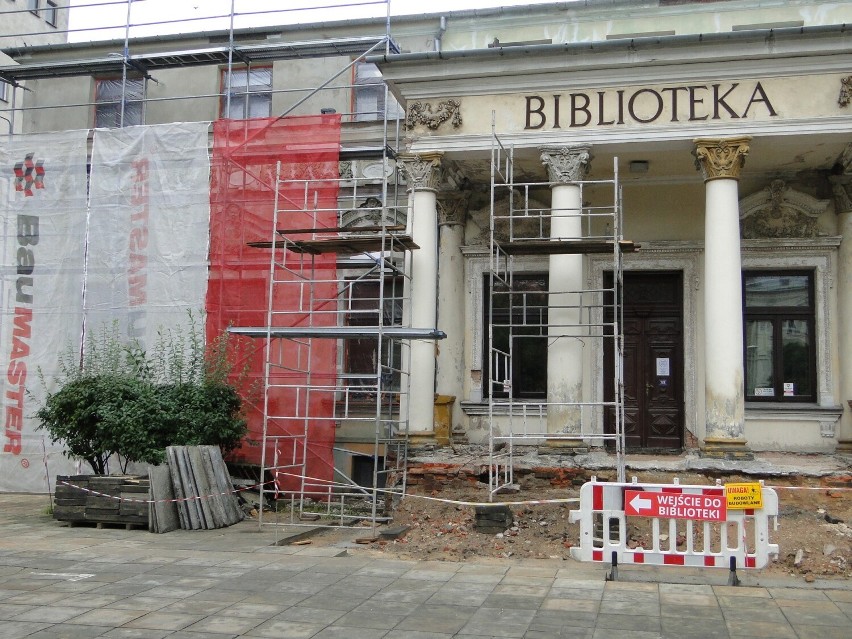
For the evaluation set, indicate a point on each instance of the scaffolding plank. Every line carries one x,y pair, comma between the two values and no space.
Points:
339,332
563,246
343,245
342,229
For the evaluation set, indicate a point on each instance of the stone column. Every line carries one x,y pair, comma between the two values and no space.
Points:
452,209
720,161
842,187
423,174
566,165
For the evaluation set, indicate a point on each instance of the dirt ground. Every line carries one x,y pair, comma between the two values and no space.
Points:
814,529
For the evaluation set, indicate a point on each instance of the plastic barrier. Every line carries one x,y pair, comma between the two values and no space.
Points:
688,526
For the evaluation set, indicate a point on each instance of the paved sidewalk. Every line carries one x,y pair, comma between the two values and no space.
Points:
60,582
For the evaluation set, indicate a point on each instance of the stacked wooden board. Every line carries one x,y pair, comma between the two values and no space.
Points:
193,491
102,499
202,493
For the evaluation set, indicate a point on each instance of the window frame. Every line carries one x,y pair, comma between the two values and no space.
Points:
244,92
776,315
51,12
536,332
362,310
368,84
117,104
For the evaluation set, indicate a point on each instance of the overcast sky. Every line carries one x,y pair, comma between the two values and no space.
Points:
194,15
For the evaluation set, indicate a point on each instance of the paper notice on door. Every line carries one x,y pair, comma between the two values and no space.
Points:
663,367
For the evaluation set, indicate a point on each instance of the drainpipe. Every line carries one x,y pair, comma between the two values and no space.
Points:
442,29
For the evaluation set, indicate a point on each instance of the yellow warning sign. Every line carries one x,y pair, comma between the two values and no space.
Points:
743,496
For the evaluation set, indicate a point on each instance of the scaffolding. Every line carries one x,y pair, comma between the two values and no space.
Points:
336,262
350,283
529,316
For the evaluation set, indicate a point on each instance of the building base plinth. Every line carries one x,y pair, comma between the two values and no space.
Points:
725,448
422,439
563,447
844,447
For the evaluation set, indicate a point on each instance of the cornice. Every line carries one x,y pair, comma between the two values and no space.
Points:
598,65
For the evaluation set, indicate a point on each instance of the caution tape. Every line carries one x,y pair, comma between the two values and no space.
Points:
332,484
161,501
824,488
455,502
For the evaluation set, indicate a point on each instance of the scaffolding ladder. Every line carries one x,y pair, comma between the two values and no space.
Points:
529,314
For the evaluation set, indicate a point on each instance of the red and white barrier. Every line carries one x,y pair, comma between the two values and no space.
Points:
689,525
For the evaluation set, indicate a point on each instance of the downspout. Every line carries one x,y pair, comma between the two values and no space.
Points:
442,29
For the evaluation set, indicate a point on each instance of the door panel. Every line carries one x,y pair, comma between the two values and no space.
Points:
653,362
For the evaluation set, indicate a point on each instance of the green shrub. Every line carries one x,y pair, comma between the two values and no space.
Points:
119,400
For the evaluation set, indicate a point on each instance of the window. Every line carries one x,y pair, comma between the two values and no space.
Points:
33,5
50,13
779,336
522,314
250,91
4,91
108,107
369,93
362,300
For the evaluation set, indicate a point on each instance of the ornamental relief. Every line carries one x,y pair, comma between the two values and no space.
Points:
423,113
780,211
522,226
372,213
845,91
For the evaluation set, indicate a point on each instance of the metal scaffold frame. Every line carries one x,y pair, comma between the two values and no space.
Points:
522,228
369,240
368,256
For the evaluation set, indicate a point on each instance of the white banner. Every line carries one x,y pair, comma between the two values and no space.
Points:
149,228
43,214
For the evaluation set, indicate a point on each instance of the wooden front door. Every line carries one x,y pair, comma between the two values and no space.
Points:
653,362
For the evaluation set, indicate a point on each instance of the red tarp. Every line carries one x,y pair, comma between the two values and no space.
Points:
242,204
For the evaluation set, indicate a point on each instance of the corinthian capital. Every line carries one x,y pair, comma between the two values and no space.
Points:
719,158
452,207
841,187
566,164
422,170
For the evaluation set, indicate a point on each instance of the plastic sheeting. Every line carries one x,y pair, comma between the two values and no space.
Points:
149,222
43,214
242,195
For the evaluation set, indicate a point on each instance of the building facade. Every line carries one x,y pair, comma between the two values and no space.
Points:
723,128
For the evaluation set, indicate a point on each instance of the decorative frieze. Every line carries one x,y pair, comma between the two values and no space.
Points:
780,211
423,113
566,164
422,171
721,158
845,91
841,188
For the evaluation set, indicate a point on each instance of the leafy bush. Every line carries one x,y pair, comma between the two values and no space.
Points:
120,400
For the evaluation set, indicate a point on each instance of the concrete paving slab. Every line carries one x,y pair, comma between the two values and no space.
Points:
50,614
281,629
216,583
821,632
65,631
753,628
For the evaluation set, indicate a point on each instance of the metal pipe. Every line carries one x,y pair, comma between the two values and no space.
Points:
616,44
442,29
